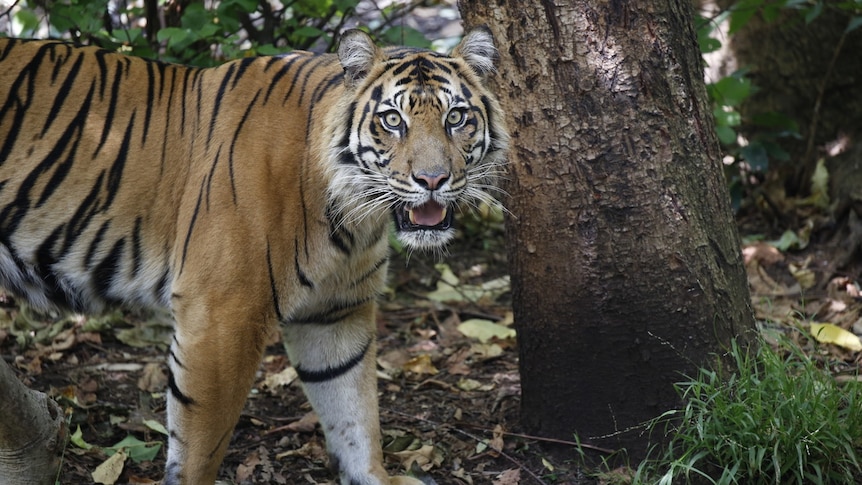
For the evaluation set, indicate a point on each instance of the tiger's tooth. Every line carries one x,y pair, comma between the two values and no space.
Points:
412,216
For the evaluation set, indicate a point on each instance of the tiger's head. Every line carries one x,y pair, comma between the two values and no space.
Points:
424,135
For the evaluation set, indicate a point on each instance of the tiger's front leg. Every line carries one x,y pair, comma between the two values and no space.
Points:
336,364
216,350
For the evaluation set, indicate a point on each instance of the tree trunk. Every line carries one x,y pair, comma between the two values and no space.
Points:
624,255
32,433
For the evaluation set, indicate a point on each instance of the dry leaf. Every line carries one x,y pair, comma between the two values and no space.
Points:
485,330
426,457
828,333
109,471
508,477
421,364
280,379
153,378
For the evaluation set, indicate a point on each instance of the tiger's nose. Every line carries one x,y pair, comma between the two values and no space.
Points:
432,180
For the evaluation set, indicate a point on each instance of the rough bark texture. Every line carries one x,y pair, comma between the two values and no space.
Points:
625,259
32,433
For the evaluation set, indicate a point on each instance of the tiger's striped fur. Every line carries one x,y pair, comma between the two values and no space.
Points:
241,197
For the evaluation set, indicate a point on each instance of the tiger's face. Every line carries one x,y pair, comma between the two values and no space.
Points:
425,136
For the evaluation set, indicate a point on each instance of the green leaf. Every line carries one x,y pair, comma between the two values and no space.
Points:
173,35
731,90
726,134
787,240
725,117
136,449
156,426
28,21
77,439
195,17
742,13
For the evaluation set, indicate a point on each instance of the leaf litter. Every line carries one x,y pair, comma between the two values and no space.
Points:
449,388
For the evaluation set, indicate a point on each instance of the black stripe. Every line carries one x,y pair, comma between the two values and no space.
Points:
105,272
151,100
233,143
103,72
314,376
285,68
175,391
322,62
112,107
168,111
243,66
192,226
272,285
60,99
137,258
334,314
218,99
74,128
303,279
211,175
94,245
371,272
115,175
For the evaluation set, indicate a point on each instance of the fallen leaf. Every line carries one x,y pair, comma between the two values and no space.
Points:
473,385
245,470
156,426
280,379
828,333
485,330
108,472
153,378
426,457
135,449
77,439
508,477
421,364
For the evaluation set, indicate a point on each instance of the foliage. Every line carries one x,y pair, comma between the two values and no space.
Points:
775,418
205,33
729,93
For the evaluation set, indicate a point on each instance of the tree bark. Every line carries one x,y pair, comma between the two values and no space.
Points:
32,433
624,255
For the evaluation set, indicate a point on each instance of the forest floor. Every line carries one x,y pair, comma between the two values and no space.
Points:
448,366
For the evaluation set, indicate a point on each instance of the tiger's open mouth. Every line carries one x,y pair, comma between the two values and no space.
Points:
428,216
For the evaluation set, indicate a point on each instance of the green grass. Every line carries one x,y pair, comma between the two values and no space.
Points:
776,418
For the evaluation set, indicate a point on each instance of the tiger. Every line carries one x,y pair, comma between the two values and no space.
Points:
247,198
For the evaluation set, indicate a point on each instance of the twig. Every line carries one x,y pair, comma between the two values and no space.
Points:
474,438
545,440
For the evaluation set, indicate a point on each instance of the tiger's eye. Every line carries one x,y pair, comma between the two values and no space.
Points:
392,119
455,117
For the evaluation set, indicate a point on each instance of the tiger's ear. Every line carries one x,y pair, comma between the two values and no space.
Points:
357,53
477,48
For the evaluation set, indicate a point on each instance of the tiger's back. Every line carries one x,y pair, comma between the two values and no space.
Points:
253,195
135,138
